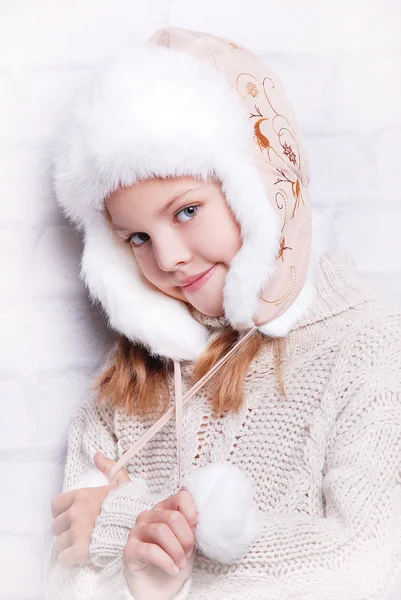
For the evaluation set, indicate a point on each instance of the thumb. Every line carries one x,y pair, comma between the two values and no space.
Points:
105,464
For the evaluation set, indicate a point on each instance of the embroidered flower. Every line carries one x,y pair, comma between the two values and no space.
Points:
252,89
282,248
288,151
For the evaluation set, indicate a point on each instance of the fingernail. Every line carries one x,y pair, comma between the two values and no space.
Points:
174,570
188,554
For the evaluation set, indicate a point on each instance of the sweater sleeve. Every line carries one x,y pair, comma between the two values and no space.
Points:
354,550
91,430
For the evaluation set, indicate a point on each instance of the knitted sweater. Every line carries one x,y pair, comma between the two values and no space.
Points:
325,461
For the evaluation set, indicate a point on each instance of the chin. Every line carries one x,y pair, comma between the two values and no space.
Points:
209,299
211,309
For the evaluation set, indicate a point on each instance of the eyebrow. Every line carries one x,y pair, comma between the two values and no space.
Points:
163,209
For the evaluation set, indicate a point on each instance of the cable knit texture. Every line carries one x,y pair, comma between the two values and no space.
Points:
325,461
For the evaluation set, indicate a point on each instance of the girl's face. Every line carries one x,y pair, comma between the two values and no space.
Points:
179,228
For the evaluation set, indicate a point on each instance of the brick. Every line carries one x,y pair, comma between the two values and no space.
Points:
55,263
371,236
31,484
42,406
308,81
389,166
44,260
58,398
293,27
26,187
16,430
22,565
33,105
369,92
342,167
78,34
52,336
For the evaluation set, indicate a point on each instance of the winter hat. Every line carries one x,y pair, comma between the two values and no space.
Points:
189,103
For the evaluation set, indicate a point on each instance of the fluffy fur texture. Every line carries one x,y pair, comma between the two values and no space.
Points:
126,125
227,522
132,304
91,478
227,525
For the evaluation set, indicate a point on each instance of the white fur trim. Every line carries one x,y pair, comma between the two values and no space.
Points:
227,522
92,477
133,305
126,125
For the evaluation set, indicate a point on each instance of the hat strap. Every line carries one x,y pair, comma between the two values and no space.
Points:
180,401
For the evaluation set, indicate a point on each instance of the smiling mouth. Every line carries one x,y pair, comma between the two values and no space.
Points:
195,285
193,278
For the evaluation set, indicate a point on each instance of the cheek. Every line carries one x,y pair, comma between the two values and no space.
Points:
152,273
226,241
146,265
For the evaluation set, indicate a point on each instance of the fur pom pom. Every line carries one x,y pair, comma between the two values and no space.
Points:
227,522
92,478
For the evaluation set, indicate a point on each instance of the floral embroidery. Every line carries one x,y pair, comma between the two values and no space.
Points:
280,124
284,205
262,141
252,89
234,46
282,248
275,138
288,292
296,190
288,151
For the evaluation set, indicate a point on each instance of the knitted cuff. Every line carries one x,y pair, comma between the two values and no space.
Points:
117,517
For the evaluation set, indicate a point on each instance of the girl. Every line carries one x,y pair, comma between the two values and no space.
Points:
183,165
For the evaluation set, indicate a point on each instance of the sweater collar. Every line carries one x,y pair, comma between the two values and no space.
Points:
337,285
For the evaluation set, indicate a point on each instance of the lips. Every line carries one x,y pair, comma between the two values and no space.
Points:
191,280
198,283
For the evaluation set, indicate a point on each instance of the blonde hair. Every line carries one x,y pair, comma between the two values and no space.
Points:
137,382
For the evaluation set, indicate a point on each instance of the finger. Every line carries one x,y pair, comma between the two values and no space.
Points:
64,541
137,554
184,503
178,525
62,502
105,464
163,536
61,523
77,554
121,477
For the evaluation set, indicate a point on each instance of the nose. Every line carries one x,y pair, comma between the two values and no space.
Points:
170,252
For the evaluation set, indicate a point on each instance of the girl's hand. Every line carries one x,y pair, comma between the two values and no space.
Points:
162,536
75,513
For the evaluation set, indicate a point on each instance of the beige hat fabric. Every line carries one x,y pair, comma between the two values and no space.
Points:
190,104
278,153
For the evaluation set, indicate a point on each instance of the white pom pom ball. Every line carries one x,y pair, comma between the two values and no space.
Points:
227,523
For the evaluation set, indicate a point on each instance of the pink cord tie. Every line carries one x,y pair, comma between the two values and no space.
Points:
180,401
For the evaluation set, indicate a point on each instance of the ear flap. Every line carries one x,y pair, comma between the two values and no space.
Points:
136,308
253,266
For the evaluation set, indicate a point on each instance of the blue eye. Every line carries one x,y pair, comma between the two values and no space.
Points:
189,208
140,243
130,238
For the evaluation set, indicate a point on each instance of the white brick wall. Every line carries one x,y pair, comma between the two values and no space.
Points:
341,65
